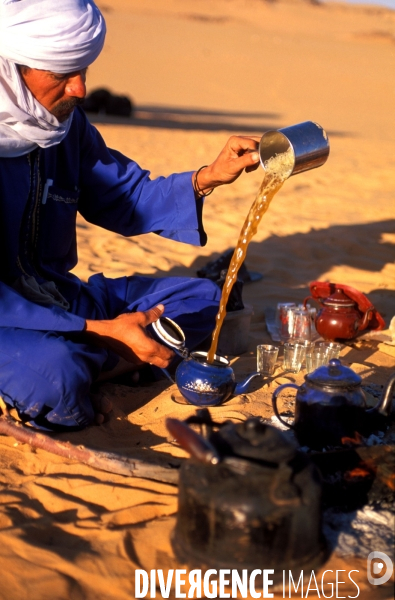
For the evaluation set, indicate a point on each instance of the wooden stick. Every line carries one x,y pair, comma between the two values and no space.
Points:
104,461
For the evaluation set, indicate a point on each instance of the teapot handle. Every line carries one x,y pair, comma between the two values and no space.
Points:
274,402
319,300
182,353
366,318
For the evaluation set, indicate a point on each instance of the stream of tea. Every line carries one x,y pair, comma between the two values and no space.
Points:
277,170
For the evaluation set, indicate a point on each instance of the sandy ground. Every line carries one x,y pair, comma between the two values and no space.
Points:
199,72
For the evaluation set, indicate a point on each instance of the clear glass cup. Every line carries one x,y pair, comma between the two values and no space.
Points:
308,344
301,324
294,355
266,358
331,349
315,357
281,313
286,322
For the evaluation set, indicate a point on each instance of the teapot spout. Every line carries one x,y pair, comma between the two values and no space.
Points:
384,405
242,387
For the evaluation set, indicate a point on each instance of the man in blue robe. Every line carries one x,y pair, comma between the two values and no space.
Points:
59,335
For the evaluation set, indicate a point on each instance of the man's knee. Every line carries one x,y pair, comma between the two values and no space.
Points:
47,378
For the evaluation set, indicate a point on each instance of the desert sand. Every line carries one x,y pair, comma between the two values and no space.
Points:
198,72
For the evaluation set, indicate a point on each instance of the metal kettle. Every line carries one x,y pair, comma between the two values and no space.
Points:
247,498
331,405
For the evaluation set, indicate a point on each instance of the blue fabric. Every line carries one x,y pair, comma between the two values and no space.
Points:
44,372
39,238
47,376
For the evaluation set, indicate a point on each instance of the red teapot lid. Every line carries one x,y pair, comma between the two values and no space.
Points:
339,299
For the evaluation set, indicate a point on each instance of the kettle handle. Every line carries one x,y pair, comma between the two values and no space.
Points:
274,402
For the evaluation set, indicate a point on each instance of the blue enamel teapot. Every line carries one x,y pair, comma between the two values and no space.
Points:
201,383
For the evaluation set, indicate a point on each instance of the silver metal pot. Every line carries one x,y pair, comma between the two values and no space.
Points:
308,141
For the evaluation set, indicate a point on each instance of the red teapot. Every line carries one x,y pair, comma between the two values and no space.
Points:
345,311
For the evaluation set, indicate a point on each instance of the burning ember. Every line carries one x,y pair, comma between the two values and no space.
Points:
363,470
357,440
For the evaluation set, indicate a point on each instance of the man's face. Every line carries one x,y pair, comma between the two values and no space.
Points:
58,93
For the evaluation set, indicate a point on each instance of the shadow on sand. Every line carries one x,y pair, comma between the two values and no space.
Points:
189,119
288,263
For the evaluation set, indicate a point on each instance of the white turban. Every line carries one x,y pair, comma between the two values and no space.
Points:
61,36
54,35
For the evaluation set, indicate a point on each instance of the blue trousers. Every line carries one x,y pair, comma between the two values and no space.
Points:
47,376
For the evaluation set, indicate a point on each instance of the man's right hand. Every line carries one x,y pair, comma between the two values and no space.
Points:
126,335
240,153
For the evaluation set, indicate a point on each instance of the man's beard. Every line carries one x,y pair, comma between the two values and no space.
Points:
63,110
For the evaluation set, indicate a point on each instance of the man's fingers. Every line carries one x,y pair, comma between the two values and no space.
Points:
245,153
153,314
252,158
157,354
252,167
249,160
145,349
160,361
127,336
240,145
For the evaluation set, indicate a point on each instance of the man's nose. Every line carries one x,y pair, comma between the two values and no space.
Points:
76,85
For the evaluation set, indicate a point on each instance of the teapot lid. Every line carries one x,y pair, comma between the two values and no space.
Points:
339,298
169,333
334,375
256,440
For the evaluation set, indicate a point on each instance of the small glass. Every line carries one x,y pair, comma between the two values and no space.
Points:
281,308
308,344
331,349
301,324
315,357
266,358
286,322
294,355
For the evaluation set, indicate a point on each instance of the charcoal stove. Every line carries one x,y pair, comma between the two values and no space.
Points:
358,475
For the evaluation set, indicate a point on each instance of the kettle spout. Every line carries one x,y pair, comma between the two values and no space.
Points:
384,405
242,387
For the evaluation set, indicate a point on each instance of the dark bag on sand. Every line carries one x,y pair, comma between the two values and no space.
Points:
104,102
235,301
212,270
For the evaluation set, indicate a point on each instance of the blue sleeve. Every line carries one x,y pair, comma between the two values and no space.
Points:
119,195
18,312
